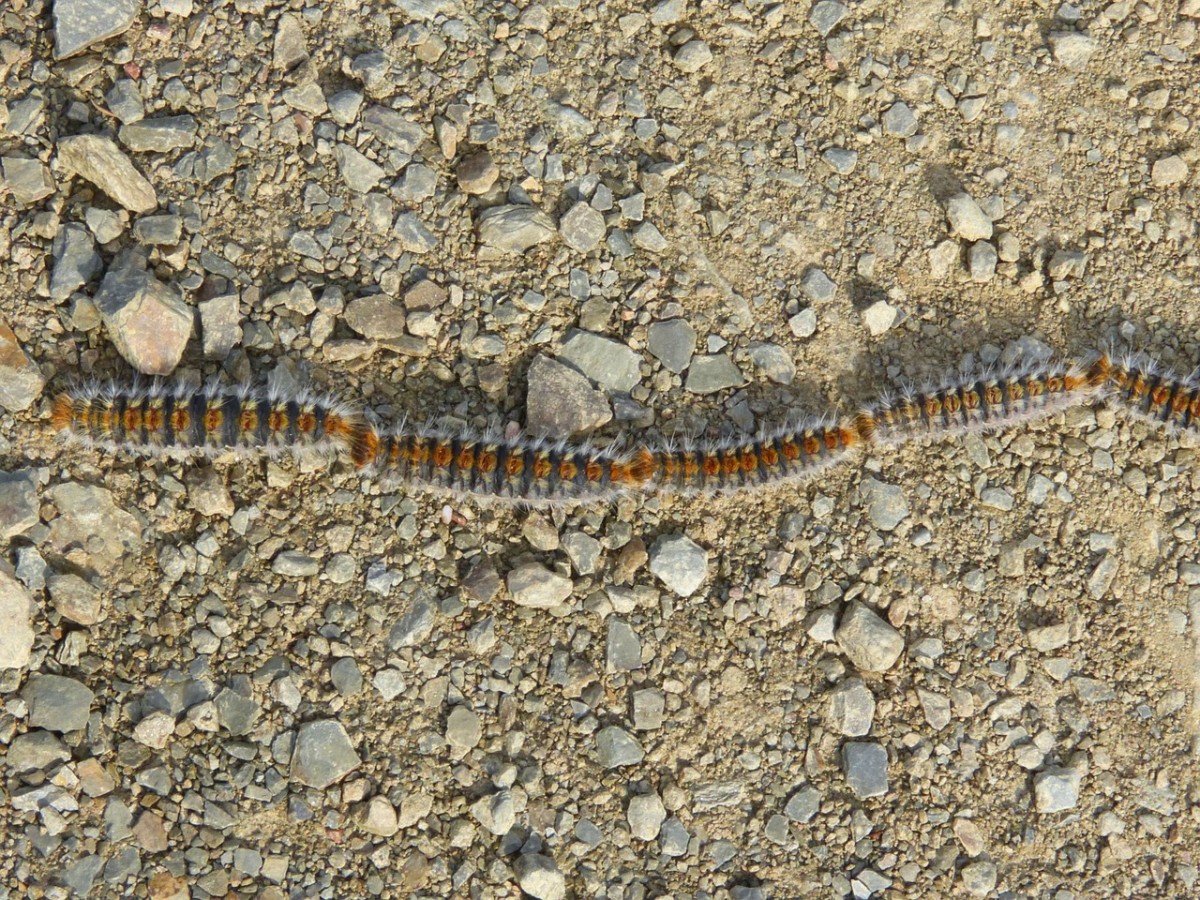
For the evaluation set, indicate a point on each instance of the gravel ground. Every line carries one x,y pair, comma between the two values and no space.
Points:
966,668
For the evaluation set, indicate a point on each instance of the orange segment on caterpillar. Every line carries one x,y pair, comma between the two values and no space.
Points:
1146,390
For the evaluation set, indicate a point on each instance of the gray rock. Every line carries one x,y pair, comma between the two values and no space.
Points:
413,627
1168,171
217,158
692,56
477,173
496,813
514,229
344,106
887,506
147,320
160,135
220,325
372,68
680,563
616,747
124,101
379,818
323,754
359,173
1056,790
840,159
1049,638
106,224
290,48
804,323
900,120
866,768
308,98
582,228
463,729
27,115
871,643
1072,49
673,342
850,709
674,838
81,875
413,234
236,712
1067,264
649,705
645,815
393,129
90,531
75,599
981,261
774,362
623,651
57,703
27,179
36,751
99,160
817,286
18,502
879,317
536,587
979,878
648,237
76,261
390,683
825,16
606,362
539,877
158,231
418,184
16,623
713,373
803,805
346,677
937,708
378,317
78,24
560,401
583,550
967,218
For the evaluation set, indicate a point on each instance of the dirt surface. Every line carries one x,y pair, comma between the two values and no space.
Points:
778,176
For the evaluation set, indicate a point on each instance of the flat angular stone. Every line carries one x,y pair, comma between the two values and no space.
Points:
607,362
21,381
393,129
98,160
673,342
713,373
323,754
514,229
559,401
148,321
57,703
680,563
27,179
16,622
533,585
76,261
159,135
871,643
78,24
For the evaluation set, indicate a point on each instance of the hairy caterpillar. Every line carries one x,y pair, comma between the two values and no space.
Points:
177,419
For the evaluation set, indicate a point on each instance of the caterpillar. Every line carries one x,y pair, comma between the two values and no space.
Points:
181,420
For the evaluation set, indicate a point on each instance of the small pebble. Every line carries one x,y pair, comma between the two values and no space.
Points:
865,765
871,643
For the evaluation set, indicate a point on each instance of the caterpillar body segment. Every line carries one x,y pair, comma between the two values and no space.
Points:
1148,391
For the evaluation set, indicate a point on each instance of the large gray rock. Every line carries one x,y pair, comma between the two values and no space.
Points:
560,401
90,531
533,585
57,703
27,179
673,342
680,563
865,765
607,362
616,747
160,135
514,229
18,502
16,623
21,381
98,160
80,23
871,643
323,754
148,321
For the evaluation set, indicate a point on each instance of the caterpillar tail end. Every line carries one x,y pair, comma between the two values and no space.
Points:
62,414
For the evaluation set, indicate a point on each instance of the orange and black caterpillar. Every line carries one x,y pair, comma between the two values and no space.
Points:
178,419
